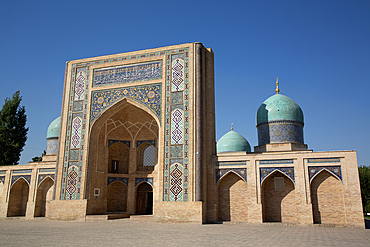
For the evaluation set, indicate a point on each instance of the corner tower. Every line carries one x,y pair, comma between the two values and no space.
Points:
279,124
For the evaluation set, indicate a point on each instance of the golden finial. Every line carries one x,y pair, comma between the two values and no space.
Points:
232,126
277,90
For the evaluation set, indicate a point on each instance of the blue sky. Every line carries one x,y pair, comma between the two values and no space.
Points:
319,49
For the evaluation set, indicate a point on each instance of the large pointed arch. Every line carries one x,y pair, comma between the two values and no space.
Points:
232,198
18,198
44,193
144,198
278,198
327,199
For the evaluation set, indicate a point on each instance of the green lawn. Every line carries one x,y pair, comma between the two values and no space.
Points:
367,217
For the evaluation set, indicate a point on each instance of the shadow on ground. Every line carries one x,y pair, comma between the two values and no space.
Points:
367,224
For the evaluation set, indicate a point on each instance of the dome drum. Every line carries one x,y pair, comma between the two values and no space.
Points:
280,133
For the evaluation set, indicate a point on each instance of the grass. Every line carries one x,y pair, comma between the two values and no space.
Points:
367,217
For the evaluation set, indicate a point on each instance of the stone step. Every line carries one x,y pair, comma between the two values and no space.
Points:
103,217
142,218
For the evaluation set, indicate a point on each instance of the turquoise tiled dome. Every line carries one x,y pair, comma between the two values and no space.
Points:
233,142
279,107
53,130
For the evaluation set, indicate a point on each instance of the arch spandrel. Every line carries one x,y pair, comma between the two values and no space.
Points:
147,96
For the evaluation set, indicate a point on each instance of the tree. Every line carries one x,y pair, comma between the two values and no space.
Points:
364,174
13,131
38,158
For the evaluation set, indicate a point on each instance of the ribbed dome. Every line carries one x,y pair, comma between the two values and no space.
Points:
53,130
279,107
233,142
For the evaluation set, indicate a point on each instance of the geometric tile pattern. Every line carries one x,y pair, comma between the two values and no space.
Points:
176,182
43,176
138,143
271,162
80,83
76,130
177,72
167,73
111,142
114,179
26,177
324,160
51,146
177,126
25,171
2,179
176,151
73,177
149,156
265,171
335,170
140,180
231,163
128,73
176,163
78,106
148,95
74,154
280,132
241,172
177,97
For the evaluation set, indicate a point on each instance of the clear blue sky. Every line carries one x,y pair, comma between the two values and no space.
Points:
319,49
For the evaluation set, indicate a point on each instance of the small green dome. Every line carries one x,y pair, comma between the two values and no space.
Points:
233,142
279,107
53,130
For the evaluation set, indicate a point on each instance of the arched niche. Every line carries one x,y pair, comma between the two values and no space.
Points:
232,198
327,199
146,157
44,193
18,198
117,197
126,121
118,158
278,198
144,199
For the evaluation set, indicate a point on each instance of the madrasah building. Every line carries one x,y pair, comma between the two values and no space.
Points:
136,138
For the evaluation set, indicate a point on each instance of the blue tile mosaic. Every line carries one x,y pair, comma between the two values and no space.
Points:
128,73
138,143
278,133
26,177
231,163
276,162
241,172
335,170
265,171
22,171
114,179
43,176
111,142
47,170
148,95
2,179
324,160
140,180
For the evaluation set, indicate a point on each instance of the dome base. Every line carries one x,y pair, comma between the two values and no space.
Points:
280,147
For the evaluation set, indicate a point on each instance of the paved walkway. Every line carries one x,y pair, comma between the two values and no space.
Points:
124,233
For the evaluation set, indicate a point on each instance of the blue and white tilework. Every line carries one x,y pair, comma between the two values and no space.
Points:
2,179
128,73
138,143
335,170
280,132
140,180
324,160
111,142
265,171
148,95
231,163
242,172
42,177
25,177
114,179
276,162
